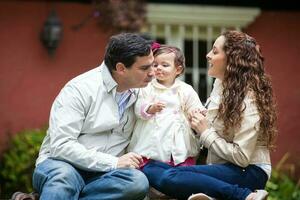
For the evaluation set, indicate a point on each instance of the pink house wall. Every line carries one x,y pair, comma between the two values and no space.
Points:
279,36
30,79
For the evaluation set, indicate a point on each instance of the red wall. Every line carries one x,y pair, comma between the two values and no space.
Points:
29,78
279,36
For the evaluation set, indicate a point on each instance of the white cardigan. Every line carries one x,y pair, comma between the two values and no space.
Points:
84,127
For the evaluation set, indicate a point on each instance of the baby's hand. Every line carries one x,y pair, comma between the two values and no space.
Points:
203,112
156,107
197,110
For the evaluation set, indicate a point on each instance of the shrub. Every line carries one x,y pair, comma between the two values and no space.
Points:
17,165
281,186
17,162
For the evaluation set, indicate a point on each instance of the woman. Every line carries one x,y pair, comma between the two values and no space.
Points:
238,130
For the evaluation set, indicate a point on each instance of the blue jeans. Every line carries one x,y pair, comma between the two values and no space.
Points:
54,179
221,181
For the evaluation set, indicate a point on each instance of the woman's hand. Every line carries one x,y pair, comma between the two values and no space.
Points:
198,121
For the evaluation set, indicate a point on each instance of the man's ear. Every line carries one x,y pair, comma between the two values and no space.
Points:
120,67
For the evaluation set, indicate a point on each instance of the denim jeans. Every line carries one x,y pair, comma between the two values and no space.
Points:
221,181
54,179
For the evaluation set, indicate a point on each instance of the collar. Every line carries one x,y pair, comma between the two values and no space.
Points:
215,96
108,80
156,84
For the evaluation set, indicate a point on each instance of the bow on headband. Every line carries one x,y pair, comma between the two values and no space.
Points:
155,46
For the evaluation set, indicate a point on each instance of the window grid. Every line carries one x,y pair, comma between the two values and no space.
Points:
202,38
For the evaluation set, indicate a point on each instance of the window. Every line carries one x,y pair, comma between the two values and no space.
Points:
194,29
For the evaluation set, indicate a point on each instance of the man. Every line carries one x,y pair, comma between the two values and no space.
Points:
91,121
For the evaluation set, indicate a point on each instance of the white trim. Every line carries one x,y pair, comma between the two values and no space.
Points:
201,15
176,23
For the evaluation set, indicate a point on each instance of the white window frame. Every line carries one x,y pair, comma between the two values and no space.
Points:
176,22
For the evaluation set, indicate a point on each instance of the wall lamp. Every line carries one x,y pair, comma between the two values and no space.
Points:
51,33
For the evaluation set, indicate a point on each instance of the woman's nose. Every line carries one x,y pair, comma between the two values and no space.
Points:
207,56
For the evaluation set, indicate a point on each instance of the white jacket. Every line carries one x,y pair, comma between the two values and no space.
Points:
84,127
244,146
168,132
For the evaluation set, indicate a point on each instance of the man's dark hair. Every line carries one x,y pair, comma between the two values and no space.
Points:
124,48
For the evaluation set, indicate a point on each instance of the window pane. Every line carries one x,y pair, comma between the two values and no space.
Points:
161,40
188,52
202,88
202,53
188,79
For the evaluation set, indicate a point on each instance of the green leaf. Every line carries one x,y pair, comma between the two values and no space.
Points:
18,161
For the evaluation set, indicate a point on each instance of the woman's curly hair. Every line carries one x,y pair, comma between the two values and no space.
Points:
244,75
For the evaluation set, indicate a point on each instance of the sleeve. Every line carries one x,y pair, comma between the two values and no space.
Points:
192,100
143,103
240,150
66,121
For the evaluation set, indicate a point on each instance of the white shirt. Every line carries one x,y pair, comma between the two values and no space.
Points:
84,128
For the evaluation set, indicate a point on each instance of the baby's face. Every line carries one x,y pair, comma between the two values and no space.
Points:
165,69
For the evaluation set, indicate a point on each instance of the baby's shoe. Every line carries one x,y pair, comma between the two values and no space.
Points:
258,195
200,196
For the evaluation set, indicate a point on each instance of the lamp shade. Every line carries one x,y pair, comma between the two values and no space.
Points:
51,33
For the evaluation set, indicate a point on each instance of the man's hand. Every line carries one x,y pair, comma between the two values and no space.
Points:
130,160
157,107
